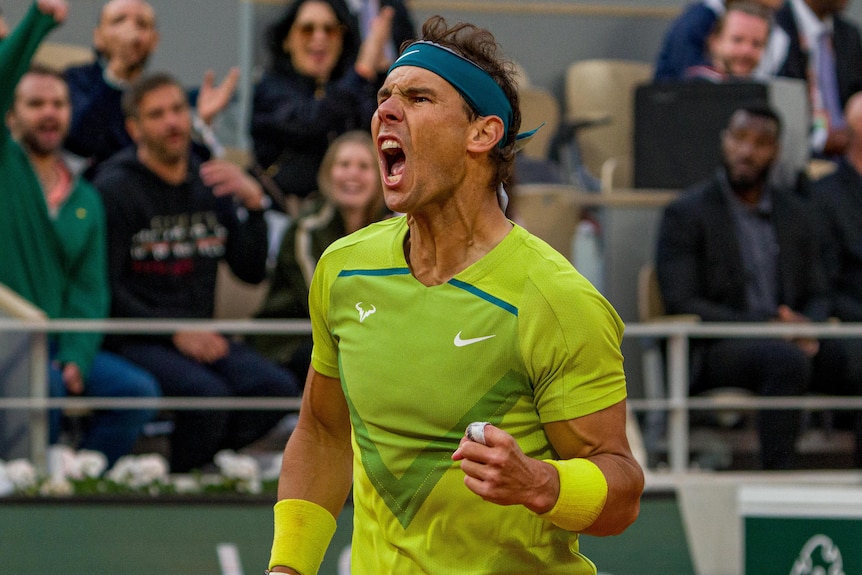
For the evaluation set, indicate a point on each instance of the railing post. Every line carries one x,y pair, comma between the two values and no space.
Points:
678,417
246,60
39,432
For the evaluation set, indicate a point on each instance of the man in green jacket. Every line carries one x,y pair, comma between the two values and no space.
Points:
53,239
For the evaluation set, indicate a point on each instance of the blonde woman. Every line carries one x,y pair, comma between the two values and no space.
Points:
351,197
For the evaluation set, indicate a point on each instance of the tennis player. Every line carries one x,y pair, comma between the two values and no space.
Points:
450,315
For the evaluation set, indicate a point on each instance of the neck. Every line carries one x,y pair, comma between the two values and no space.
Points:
173,172
750,195
45,166
445,240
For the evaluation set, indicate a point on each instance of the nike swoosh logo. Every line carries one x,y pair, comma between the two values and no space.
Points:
462,342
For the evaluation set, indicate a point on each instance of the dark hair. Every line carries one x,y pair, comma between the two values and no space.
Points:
133,96
749,7
480,47
279,30
43,70
760,110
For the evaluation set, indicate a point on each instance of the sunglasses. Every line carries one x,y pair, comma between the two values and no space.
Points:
308,29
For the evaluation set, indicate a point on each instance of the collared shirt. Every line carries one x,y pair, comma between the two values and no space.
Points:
810,30
758,247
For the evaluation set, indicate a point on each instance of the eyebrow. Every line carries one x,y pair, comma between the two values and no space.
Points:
385,92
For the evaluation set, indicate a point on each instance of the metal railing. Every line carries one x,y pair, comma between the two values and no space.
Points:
677,402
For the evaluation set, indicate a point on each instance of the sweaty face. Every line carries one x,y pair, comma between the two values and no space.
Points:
749,146
163,125
422,129
355,179
315,40
40,116
737,49
127,30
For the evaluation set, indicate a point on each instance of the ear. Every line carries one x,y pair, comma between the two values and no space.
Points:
10,121
98,41
132,129
485,133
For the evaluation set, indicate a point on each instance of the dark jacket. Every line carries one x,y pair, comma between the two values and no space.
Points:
165,241
684,44
700,268
294,120
848,52
98,128
839,198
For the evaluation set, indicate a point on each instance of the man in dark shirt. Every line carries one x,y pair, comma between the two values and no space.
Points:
170,221
718,257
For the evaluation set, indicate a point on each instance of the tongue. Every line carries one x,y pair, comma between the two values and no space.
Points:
397,168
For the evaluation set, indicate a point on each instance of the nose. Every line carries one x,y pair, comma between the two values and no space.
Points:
389,111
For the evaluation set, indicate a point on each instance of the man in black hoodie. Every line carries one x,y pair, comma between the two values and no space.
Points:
170,220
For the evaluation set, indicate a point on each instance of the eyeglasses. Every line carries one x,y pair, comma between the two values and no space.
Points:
308,29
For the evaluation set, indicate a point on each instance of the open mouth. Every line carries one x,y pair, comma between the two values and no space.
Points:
394,160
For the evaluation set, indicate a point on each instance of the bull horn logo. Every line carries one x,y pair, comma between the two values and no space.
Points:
363,313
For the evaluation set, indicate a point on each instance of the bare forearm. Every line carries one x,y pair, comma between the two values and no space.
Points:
316,468
625,485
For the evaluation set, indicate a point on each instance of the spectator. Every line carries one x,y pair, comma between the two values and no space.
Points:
316,88
718,257
351,198
685,44
363,13
171,220
52,238
736,43
839,197
125,39
825,49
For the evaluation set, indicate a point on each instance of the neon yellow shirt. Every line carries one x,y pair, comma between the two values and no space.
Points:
517,339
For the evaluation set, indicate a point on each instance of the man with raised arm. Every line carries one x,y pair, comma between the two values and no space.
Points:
124,39
52,237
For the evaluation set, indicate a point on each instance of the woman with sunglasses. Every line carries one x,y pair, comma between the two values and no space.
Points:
321,83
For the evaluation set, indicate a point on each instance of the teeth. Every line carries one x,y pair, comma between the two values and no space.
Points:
390,145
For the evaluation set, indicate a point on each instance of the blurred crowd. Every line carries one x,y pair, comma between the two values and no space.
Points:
121,203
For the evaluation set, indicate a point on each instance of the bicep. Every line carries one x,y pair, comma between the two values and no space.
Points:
602,432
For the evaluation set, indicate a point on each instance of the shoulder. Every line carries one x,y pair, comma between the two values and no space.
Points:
116,176
373,247
693,198
88,72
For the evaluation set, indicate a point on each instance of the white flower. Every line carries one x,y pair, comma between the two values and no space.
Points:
6,486
57,487
235,466
64,462
22,474
139,471
186,484
91,463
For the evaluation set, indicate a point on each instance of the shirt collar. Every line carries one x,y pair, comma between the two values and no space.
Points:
810,27
763,207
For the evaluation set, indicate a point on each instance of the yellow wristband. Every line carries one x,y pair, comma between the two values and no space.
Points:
303,531
583,492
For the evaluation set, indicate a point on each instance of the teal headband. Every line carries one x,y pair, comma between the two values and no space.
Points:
481,92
